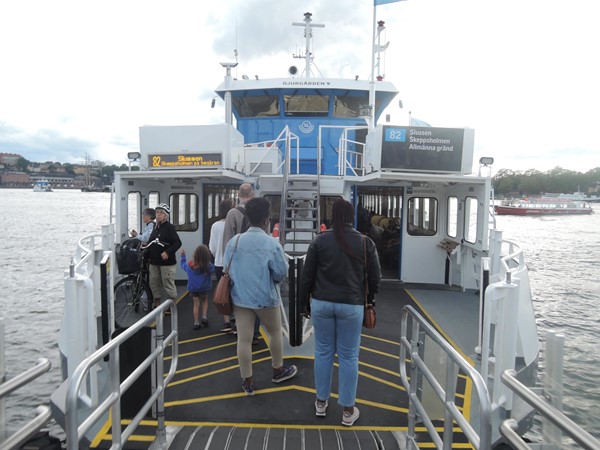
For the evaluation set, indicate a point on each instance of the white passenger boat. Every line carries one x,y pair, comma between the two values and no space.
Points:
42,186
455,351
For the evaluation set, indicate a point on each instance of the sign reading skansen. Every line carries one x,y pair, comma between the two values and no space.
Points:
185,161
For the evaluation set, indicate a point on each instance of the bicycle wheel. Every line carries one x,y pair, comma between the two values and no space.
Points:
133,298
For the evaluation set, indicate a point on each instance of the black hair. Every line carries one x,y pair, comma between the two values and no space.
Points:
342,214
257,210
224,207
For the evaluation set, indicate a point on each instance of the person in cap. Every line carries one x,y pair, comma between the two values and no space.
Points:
161,252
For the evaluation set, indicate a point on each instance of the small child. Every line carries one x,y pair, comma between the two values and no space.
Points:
199,271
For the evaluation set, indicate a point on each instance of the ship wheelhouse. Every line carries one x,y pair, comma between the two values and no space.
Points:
263,108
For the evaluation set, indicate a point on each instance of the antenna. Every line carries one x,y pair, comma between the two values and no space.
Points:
308,26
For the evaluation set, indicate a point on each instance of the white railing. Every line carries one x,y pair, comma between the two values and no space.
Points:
508,428
76,430
284,138
43,412
353,160
412,352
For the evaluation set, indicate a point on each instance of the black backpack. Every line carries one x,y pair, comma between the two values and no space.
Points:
246,221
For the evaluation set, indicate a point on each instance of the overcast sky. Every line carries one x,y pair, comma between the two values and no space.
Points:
80,77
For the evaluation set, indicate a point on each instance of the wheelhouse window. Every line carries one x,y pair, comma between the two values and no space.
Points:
184,211
350,105
422,216
471,210
452,217
306,105
256,105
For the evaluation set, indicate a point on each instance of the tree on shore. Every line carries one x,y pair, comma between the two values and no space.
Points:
533,182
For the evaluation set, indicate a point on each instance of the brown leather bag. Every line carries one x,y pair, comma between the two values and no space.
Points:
370,315
222,297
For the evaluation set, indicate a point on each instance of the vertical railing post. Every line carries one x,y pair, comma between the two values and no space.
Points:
161,432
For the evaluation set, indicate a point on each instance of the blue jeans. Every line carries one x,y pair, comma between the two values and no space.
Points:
337,330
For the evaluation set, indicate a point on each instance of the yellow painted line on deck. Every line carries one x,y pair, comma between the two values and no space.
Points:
293,387
387,341
380,369
214,372
379,352
218,361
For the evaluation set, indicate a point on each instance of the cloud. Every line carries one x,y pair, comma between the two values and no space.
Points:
89,74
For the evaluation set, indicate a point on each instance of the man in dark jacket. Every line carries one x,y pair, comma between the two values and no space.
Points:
161,251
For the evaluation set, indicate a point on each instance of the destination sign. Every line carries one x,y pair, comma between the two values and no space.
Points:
185,160
422,148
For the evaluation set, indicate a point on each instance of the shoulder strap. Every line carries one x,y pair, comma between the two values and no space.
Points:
231,257
245,221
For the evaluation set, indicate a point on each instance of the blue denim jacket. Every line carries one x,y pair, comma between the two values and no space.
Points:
258,263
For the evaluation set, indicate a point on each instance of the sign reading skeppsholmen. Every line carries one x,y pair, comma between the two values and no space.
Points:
427,149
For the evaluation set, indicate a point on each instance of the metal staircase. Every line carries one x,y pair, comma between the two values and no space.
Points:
300,216
300,213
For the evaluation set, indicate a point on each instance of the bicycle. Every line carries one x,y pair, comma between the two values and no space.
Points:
133,296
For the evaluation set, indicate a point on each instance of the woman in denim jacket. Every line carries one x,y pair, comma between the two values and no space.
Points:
258,263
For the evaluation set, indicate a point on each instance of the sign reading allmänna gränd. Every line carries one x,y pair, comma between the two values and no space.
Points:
185,160
422,148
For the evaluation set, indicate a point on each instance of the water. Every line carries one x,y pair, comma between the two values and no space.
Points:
41,229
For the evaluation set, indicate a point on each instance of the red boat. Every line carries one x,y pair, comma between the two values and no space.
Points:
543,207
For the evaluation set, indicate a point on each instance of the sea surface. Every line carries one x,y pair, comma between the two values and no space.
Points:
41,231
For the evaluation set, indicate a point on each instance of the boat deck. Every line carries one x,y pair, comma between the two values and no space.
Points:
206,407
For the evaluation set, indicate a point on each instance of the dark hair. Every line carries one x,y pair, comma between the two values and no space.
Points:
257,210
150,212
224,207
202,258
342,213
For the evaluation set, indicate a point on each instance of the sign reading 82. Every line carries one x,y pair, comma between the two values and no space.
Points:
156,161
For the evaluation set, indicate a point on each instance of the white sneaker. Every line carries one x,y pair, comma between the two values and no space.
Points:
348,419
321,408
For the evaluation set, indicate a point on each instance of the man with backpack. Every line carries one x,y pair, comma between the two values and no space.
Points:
236,220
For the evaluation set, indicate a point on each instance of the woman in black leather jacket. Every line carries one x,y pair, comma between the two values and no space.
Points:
334,275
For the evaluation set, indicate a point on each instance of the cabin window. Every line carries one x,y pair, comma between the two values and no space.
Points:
422,216
452,217
471,210
306,105
153,199
134,211
350,105
256,105
184,211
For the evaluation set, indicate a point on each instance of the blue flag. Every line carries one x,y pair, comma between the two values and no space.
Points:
385,2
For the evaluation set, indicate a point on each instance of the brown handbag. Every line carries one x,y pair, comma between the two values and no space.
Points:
370,315
222,297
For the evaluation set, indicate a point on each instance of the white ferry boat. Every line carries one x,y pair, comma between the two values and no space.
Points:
42,186
453,361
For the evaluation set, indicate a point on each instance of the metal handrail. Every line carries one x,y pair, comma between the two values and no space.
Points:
43,412
112,402
566,425
284,136
22,435
481,441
